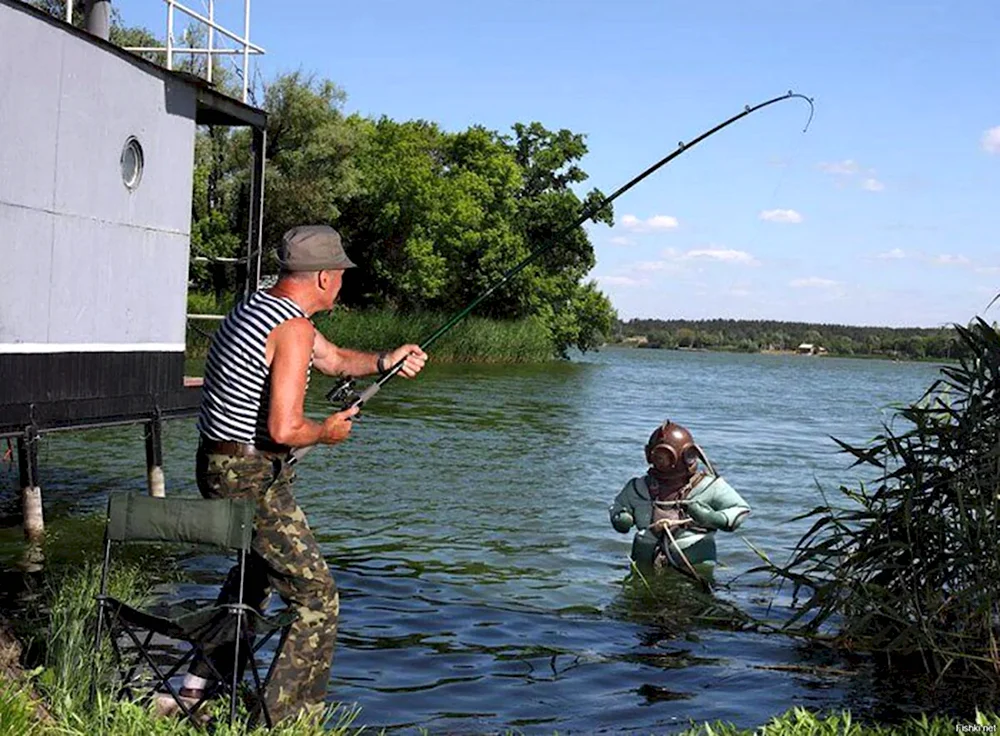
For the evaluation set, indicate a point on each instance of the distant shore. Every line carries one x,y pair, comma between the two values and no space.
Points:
776,351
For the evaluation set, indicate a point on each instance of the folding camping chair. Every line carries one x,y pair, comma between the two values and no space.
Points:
227,523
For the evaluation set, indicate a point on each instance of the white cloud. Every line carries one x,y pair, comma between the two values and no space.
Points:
662,222
894,254
991,140
790,216
813,282
848,167
620,281
652,266
618,240
656,222
988,270
721,254
947,259
850,171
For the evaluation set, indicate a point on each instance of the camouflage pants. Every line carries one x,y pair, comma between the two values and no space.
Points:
284,558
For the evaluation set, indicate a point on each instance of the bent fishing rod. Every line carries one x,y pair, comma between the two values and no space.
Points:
344,393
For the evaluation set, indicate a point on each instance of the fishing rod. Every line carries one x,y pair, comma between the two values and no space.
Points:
344,393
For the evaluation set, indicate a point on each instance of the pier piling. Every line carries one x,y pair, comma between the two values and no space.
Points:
154,458
31,493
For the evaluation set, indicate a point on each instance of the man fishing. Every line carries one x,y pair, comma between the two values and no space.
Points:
251,418
677,506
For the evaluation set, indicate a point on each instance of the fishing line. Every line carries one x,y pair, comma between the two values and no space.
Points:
785,166
343,393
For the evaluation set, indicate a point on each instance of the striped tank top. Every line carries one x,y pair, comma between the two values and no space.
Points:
236,393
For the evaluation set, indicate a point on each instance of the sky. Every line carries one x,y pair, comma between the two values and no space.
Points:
886,212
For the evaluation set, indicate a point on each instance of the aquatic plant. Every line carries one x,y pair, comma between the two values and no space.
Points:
475,339
910,566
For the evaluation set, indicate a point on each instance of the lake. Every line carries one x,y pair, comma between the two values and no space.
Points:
482,586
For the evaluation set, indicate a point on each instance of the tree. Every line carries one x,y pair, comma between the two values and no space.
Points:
310,153
547,207
442,216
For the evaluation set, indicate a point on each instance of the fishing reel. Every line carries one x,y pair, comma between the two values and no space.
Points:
343,395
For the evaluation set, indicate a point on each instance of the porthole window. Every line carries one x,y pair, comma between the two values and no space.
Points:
132,161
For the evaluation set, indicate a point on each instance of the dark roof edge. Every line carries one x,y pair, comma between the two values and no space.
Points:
214,107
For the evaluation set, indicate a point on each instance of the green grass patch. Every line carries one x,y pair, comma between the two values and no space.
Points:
801,722
67,665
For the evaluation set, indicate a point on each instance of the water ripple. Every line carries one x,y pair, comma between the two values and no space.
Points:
466,525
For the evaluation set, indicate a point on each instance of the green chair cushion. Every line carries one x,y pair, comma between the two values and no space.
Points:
136,517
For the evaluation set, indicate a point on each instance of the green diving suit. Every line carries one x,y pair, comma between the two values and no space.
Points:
710,503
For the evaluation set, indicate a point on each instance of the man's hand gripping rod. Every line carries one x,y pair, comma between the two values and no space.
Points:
344,392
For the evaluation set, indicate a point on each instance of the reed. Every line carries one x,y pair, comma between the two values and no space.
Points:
473,340
909,566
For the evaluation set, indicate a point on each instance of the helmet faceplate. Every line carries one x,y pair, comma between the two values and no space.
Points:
671,450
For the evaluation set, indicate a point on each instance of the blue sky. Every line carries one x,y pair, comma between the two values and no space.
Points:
885,213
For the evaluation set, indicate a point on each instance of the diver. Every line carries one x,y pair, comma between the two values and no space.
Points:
678,505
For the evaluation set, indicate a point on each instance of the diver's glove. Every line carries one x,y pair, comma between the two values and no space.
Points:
622,521
704,515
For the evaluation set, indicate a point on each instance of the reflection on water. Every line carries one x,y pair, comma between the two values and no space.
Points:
482,585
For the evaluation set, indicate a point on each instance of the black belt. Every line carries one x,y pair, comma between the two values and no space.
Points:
243,449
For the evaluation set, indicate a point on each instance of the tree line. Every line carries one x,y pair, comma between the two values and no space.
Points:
752,336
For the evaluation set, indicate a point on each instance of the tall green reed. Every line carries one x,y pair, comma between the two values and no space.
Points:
474,339
910,565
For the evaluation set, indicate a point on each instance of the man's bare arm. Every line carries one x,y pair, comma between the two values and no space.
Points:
333,360
291,346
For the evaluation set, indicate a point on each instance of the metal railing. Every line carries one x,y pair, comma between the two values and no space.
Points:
210,50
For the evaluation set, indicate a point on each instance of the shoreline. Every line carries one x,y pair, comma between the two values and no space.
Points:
794,353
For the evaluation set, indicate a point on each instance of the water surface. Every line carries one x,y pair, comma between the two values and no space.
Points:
466,524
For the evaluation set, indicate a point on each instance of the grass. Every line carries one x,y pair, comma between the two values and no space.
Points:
17,718
801,722
60,684
474,339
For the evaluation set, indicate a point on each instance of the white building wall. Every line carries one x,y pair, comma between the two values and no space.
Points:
84,261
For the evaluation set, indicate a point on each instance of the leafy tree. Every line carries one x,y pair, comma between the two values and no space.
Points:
310,148
548,206
443,216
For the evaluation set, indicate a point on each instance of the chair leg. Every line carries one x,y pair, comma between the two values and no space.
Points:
127,677
262,686
236,665
119,660
92,696
258,685
162,680
277,653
